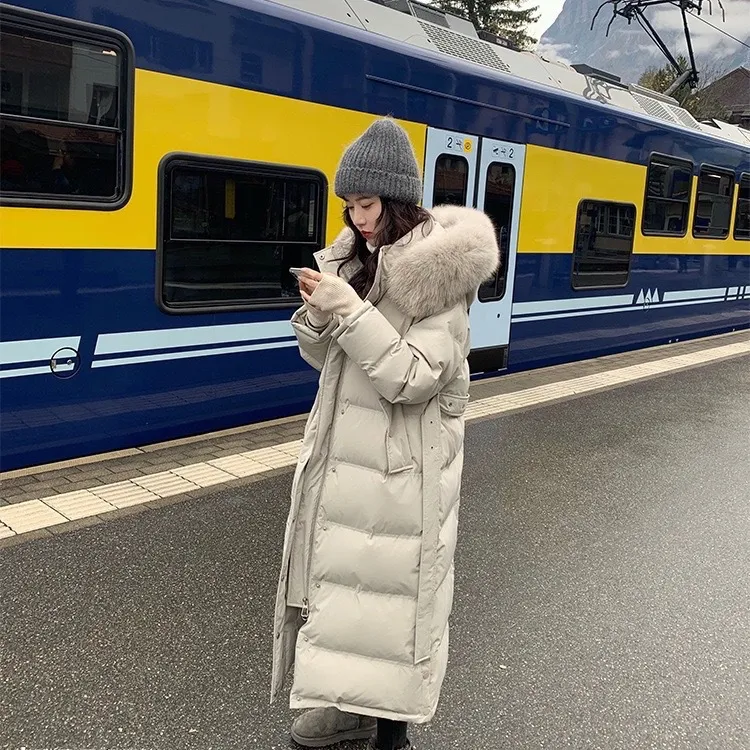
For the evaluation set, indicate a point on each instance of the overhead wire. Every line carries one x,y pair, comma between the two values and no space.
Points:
721,31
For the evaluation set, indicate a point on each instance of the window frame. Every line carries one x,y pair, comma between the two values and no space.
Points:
164,212
673,161
736,208
722,171
45,24
575,235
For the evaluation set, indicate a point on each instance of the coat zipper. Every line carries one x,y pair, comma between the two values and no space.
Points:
305,613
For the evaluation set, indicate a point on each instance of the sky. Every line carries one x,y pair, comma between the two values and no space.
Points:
548,10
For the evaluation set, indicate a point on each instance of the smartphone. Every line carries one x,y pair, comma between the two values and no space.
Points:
296,272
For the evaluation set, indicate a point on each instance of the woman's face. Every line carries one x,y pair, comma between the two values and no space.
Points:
364,211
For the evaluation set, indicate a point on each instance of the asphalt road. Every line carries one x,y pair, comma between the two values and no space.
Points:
602,595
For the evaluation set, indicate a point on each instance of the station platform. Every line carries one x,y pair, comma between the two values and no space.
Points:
602,573
56,498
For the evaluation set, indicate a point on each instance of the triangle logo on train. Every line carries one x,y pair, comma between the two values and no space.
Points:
648,297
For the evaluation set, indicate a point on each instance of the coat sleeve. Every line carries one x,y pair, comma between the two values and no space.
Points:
313,342
408,369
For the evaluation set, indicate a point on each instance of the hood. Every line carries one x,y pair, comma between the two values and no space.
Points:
447,266
428,273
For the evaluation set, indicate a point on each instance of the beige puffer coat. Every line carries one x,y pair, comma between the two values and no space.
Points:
366,584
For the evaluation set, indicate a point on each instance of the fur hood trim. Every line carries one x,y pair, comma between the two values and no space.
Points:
426,273
447,266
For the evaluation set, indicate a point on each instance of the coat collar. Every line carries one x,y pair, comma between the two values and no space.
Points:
434,267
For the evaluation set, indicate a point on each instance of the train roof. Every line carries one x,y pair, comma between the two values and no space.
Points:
424,28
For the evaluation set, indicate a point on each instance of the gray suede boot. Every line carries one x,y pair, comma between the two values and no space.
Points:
322,727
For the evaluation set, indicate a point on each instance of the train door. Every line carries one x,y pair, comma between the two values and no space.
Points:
465,170
499,183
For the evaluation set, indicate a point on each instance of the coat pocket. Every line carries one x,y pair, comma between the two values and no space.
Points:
397,448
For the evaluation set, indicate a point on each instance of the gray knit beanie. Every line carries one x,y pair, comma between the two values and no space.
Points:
380,162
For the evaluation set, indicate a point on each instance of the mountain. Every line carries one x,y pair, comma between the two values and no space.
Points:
628,51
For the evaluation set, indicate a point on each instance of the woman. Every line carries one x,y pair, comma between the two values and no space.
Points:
366,583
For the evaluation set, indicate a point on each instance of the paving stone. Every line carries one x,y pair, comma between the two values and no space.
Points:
29,516
21,481
123,494
22,498
14,496
123,464
222,454
165,484
41,487
204,475
155,459
239,466
121,474
161,466
80,504
262,444
46,475
92,476
83,484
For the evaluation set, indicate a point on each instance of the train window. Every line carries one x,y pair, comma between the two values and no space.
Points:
713,205
231,231
603,244
63,113
667,200
742,213
451,180
498,205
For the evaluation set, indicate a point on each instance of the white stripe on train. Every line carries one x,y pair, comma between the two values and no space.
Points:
138,347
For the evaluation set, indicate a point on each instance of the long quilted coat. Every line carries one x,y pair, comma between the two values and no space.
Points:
366,583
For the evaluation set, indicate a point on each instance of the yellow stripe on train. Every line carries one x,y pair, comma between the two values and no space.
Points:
175,114
556,181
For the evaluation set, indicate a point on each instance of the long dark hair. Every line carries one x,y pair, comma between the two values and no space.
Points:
396,221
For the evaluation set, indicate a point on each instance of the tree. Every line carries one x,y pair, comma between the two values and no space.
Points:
698,101
502,17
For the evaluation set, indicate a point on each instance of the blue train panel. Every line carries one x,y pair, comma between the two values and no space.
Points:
142,376
668,297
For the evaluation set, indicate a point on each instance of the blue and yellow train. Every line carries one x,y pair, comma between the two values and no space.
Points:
163,164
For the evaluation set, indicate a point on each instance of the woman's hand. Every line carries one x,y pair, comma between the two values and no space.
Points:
308,283
328,293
